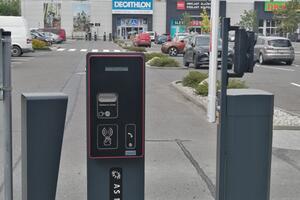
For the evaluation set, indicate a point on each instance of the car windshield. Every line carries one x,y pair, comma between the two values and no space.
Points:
279,43
204,41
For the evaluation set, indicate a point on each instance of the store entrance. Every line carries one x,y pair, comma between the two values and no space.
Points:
127,32
127,28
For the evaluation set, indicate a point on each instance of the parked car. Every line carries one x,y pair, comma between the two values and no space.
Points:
197,52
20,36
37,35
152,35
160,39
174,48
169,38
55,38
60,32
276,49
180,36
142,39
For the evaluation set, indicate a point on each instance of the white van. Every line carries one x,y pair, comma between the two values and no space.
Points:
20,36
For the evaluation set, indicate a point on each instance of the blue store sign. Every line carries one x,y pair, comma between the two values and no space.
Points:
132,6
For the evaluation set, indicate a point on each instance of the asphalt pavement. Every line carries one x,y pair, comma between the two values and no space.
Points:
180,143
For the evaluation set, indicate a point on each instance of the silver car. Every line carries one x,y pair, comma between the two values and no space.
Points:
274,49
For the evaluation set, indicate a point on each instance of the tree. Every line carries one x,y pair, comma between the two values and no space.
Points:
289,17
10,8
186,19
205,23
249,20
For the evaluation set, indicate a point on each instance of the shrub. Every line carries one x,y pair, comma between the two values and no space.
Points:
149,56
202,88
236,84
163,62
193,79
137,49
38,44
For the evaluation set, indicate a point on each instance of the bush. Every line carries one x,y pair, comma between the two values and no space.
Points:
136,49
163,62
193,79
236,84
149,56
202,88
38,44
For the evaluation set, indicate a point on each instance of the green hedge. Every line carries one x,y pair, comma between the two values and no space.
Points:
39,45
193,79
163,62
149,56
136,49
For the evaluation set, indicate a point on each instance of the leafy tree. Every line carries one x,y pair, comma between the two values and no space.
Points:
289,17
186,19
249,20
10,8
205,26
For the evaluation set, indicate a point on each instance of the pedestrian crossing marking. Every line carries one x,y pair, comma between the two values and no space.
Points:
116,50
83,50
105,50
61,49
95,50
72,50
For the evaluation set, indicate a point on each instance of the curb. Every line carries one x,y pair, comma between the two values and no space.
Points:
203,105
189,97
169,68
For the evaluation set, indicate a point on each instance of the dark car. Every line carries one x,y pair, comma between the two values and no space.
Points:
161,39
197,52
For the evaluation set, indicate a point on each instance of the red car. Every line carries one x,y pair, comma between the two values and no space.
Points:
142,39
60,32
175,47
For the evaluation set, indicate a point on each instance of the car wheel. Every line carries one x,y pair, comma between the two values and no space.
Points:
261,59
16,51
173,51
185,63
290,62
197,66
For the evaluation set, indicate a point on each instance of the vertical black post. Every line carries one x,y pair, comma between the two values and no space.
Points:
221,159
43,121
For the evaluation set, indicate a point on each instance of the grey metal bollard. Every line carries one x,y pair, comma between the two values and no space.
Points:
43,121
246,146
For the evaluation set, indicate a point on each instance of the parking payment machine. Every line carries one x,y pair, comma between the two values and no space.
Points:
115,126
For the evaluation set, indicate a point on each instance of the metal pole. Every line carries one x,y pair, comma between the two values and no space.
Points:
7,116
221,141
213,61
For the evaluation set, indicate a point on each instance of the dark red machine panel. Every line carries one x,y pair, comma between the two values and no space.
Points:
115,105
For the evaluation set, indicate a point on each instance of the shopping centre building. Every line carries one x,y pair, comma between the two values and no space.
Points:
124,17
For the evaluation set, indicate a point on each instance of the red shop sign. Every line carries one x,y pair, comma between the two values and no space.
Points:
180,5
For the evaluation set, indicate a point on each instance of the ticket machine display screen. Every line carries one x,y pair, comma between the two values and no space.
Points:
115,105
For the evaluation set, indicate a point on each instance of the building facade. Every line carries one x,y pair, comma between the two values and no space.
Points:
120,17
125,17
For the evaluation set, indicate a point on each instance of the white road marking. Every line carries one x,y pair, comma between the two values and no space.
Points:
95,50
296,65
267,67
83,50
105,50
297,52
295,84
72,50
116,50
61,49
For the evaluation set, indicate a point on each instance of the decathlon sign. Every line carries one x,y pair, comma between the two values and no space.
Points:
132,6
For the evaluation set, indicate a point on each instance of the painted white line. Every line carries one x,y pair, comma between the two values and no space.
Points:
296,65
61,49
83,50
297,52
95,50
105,50
116,50
290,70
295,84
72,50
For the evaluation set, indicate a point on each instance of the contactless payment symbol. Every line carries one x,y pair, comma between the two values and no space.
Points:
107,136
